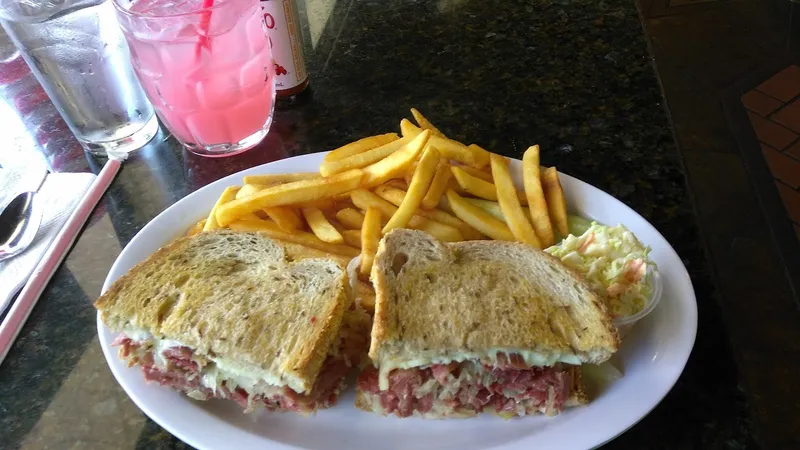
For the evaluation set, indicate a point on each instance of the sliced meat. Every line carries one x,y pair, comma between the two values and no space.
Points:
482,398
503,388
330,377
505,405
181,357
404,382
183,373
120,339
389,402
424,404
512,361
442,371
405,406
238,395
124,343
175,380
322,395
564,381
178,353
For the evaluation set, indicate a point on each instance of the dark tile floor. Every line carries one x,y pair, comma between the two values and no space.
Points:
774,113
731,80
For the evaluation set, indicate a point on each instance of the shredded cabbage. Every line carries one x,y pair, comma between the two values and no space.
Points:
613,261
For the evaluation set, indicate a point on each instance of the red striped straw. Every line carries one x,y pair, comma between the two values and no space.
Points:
205,21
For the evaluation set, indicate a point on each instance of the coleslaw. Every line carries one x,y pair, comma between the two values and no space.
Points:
613,261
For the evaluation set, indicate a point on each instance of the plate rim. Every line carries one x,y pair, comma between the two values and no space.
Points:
221,183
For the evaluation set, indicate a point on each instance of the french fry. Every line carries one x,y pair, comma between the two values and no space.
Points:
285,216
393,165
397,184
272,230
370,235
556,203
360,146
343,202
450,149
478,173
408,129
424,123
350,218
474,185
416,190
363,159
288,194
365,294
453,184
540,218
489,207
478,219
438,185
440,231
321,227
196,228
341,197
478,187
322,203
250,189
280,178
363,199
510,205
396,196
480,155
352,238
444,205
228,195
459,152
409,173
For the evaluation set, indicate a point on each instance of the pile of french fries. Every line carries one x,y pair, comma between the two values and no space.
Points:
419,179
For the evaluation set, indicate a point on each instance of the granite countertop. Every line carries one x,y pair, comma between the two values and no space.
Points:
574,76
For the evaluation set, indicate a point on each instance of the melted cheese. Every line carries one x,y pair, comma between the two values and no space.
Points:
218,370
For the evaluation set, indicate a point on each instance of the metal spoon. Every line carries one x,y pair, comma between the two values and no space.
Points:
19,223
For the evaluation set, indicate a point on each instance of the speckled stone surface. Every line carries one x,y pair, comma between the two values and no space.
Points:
572,76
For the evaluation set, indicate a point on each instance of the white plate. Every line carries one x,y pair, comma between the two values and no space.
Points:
652,357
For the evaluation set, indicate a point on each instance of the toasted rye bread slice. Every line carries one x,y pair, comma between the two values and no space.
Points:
440,302
268,309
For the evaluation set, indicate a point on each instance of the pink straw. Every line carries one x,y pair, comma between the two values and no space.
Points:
205,21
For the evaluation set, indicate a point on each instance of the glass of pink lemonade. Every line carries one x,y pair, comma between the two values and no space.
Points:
207,68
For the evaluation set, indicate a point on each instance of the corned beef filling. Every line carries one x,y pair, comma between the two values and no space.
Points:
508,388
184,371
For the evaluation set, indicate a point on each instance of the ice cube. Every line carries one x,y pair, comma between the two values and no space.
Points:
219,92
159,8
253,76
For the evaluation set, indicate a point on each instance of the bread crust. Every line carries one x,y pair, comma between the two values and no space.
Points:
435,298
270,308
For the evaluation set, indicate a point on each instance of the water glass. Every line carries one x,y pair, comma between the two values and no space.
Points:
78,54
206,66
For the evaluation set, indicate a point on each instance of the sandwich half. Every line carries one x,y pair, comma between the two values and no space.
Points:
239,316
478,326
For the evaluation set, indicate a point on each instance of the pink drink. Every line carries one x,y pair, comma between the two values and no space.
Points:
214,91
